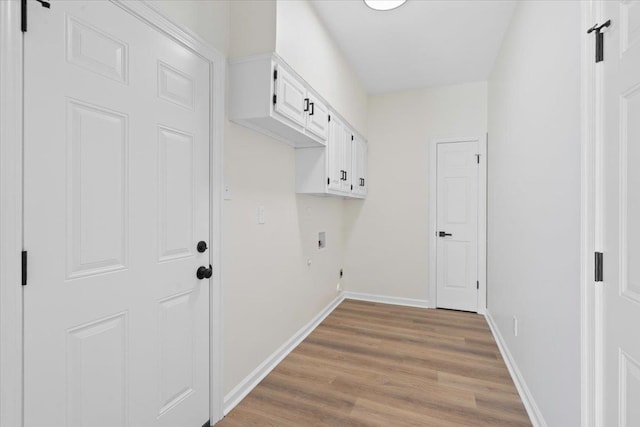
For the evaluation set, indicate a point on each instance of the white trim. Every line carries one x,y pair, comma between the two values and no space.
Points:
383,299
11,72
525,394
245,386
10,214
482,216
590,407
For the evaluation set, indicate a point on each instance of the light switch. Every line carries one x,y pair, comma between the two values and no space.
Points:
260,214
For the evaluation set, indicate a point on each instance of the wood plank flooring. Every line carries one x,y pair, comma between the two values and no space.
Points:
373,364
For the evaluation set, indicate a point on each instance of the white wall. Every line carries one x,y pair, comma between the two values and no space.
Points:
253,27
534,202
270,292
304,43
386,235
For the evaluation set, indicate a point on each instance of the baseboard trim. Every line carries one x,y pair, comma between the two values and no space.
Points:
409,302
525,394
240,391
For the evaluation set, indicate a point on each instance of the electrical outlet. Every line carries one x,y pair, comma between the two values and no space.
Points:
515,326
339,287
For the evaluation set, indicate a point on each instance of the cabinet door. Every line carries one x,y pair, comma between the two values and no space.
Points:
335,144
290,97
359,167
364,167
317,117
346,160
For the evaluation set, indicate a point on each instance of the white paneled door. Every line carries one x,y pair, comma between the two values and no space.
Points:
116,185
457,226
621,213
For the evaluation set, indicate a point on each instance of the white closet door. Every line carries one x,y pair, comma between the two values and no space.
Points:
457,225
620,186
116,324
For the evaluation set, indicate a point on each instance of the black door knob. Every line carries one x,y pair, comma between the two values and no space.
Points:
202,246
444,234
204,272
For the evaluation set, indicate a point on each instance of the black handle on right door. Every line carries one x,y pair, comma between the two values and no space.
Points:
313,108
444,234
204,272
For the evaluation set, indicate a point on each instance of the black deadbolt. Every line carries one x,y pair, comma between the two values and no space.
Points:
204,272
202,246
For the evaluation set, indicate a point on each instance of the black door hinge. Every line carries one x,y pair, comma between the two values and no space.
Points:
351,187
207,424
478,158
352,137
23,16
599,39
477,284
328,181
329,117
598,267
275,74
24,268
275,98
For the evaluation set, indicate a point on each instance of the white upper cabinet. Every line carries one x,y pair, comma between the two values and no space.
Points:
335,155
290,99
337,170
317,116
345,159
268,96
359,167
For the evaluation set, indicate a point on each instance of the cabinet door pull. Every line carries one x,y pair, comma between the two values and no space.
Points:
312,108
306,104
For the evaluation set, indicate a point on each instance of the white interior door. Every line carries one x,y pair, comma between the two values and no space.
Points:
116,323
457,226
621,213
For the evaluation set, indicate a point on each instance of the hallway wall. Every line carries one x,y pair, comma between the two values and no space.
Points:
534,202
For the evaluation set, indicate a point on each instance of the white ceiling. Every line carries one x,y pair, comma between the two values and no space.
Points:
423,43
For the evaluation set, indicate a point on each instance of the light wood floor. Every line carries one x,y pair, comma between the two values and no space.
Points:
384,365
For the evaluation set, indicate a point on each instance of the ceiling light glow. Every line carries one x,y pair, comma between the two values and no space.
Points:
384,4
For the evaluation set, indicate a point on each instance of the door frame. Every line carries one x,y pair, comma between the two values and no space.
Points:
591,292
11,198
482,216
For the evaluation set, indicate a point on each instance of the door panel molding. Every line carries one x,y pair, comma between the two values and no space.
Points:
11,196
482,216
